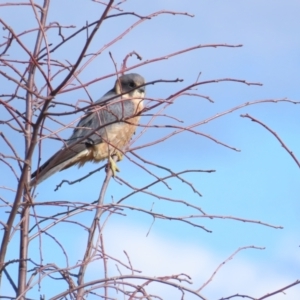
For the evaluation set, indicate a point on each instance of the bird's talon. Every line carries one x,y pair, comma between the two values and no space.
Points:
119,155
113,166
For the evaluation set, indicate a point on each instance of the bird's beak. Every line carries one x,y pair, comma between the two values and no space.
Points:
142,89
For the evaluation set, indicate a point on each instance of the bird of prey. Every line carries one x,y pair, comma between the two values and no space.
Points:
103,131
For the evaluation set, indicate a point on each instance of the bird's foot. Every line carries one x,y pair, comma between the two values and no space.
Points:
119,155
113,166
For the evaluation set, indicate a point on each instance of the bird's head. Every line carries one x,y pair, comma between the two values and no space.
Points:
131,84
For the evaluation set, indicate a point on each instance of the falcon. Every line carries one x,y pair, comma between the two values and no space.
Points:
104,130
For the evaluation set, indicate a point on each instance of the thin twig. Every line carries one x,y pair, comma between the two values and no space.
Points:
224,262
276,136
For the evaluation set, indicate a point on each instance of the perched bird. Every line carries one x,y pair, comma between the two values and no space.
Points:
103,131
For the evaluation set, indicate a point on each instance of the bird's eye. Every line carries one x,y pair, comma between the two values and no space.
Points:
132,84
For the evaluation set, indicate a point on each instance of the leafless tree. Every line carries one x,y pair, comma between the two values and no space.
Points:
35,73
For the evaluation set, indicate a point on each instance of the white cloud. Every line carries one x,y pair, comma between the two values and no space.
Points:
156,255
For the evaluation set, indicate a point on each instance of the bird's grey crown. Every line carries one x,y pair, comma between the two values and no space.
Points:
131,81
128,83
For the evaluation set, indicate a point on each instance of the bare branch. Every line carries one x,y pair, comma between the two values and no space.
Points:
276,135
224,262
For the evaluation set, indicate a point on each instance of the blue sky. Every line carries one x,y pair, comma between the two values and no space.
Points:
259,183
